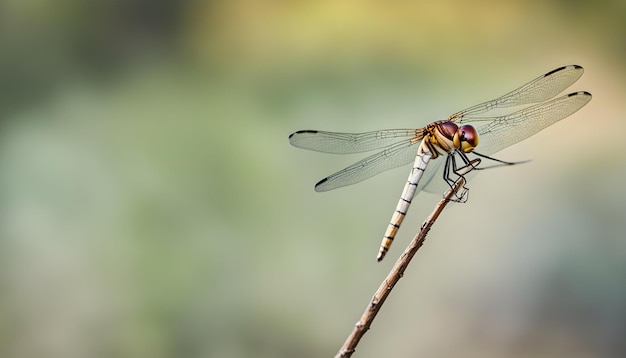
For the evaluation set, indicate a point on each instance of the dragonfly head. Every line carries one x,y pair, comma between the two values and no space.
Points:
466,138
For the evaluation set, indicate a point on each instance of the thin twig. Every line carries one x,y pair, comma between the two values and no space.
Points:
395,274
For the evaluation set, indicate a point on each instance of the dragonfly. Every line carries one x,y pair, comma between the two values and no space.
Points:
453,138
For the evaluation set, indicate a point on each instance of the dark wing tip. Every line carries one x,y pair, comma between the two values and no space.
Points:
579,93
563,68
317,186
302,131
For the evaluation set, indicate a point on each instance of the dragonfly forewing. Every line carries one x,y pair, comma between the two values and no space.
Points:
540,89
346,143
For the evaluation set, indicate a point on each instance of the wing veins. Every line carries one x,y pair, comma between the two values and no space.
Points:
526,122
540,89
345,143
395,155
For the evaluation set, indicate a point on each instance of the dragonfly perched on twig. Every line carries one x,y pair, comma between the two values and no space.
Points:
452,138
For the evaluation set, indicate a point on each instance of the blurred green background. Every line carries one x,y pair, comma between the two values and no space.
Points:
151,205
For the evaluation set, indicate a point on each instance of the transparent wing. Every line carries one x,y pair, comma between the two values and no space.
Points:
497,133
391,157
540,89
432,180
344,143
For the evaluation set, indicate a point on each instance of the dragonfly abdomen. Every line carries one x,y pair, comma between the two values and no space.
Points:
405,201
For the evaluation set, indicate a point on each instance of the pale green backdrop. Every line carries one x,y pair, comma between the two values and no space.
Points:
151,205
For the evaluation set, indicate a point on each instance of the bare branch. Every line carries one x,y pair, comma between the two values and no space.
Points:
395,274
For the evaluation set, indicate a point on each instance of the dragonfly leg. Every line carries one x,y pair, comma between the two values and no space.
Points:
451,166
501,162
459,172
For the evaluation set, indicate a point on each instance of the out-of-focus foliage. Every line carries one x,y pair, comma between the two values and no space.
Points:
150,205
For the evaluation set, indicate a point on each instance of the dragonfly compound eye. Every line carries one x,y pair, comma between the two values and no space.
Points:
466,138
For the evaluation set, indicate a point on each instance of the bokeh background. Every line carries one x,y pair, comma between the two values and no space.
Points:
151,205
